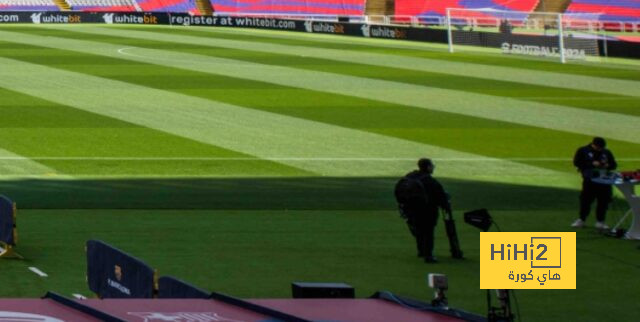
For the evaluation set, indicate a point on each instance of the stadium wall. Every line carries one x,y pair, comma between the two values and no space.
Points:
614,48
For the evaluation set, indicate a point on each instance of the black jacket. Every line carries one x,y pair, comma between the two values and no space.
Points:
586,155
436,196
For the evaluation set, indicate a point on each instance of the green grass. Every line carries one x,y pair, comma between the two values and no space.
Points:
241,161
432,51
527,92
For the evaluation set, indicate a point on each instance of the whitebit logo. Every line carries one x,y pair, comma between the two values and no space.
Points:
384,32
36,17
108,18
365,31
308,26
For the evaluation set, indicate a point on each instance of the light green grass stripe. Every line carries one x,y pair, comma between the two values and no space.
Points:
255,132
478,105
13,165
543,78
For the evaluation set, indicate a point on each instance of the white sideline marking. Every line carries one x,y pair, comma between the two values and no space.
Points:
568,98
347,159
37,271
79,296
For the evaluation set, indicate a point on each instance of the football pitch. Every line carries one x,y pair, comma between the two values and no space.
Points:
241,161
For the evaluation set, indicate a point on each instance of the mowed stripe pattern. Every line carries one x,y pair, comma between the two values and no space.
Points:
477,105
206,105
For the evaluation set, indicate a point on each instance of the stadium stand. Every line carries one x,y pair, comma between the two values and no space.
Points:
609,10
438,8
323,7
188,6
103,5
28,5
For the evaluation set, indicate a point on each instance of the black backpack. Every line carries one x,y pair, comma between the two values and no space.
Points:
410,191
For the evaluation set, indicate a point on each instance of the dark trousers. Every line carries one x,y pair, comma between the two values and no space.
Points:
424,240
594,191
422,229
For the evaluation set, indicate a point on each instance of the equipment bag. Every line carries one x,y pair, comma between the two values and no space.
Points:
409,190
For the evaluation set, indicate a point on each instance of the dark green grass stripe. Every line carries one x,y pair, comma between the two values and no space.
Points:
464,57
33,127
319,193
500,139
543,94
233,251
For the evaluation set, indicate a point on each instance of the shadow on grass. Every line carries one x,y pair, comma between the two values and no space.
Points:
321,193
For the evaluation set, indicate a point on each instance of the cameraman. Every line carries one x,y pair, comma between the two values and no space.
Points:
422,217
